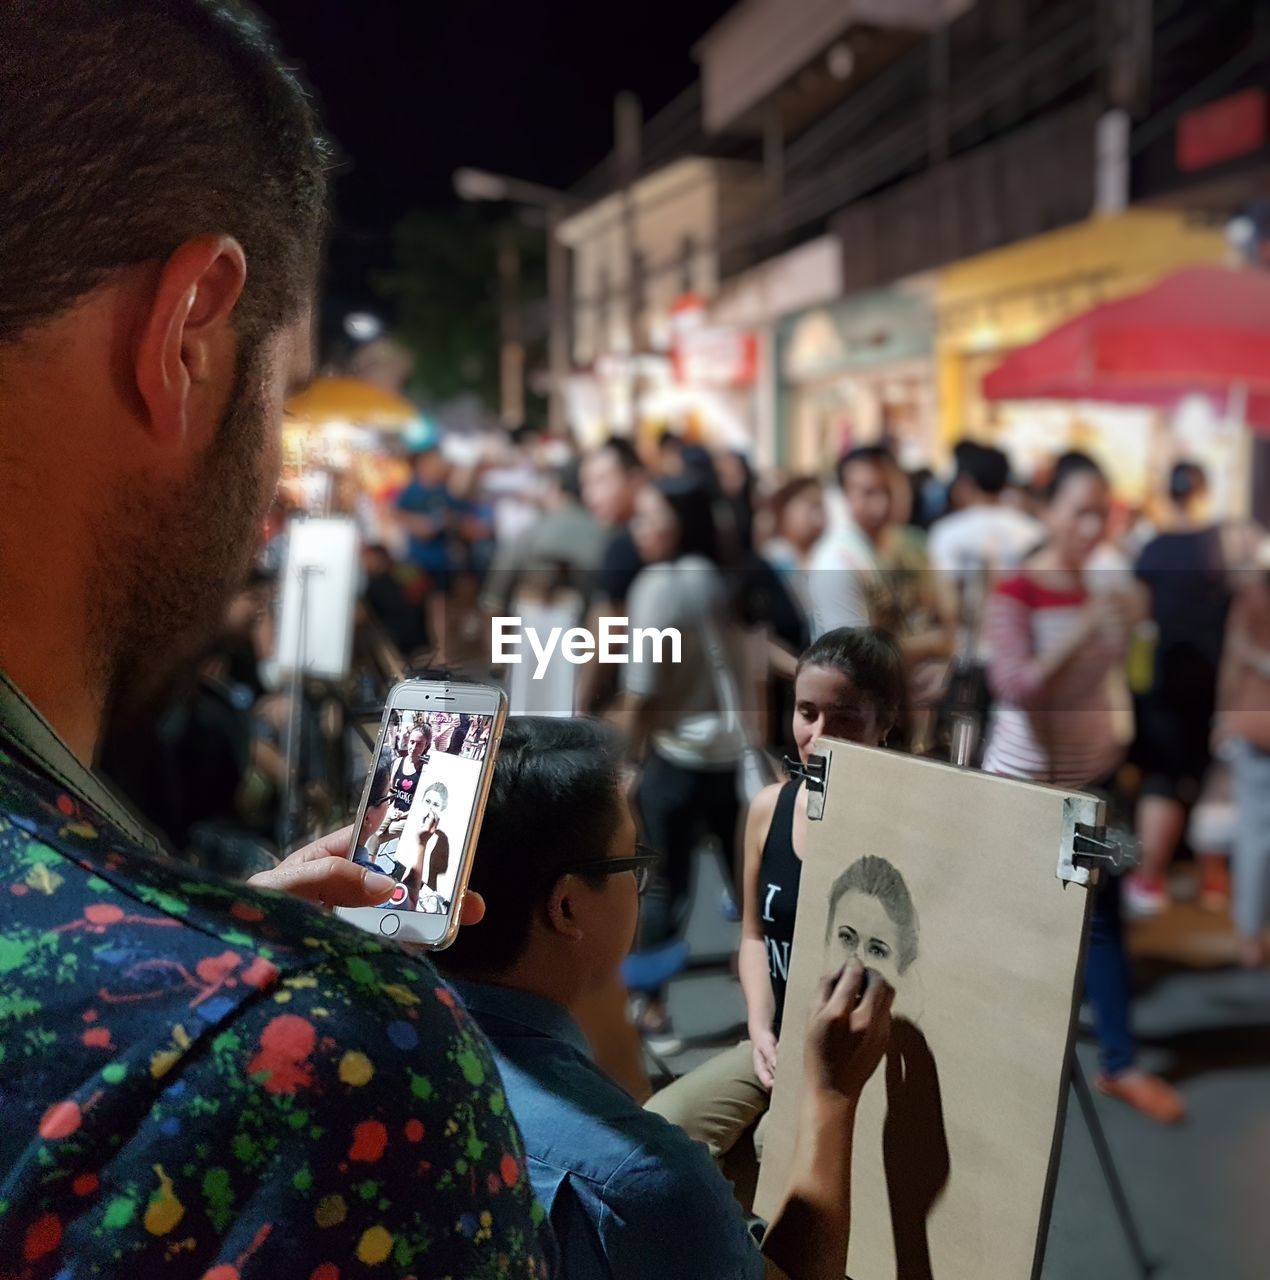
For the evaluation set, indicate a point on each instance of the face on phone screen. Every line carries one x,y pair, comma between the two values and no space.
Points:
421,802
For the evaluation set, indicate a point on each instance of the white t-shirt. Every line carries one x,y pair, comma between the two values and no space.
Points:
973,548
842,568
993,538
692,729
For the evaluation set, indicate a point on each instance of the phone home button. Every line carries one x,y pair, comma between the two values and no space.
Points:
389,924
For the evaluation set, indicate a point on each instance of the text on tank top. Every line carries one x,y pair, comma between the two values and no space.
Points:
402,785
780,873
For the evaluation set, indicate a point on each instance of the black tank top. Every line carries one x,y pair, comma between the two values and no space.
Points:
402,785
780,873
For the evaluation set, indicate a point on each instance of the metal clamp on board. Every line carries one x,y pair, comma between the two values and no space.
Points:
814,773
1094,848
1118,851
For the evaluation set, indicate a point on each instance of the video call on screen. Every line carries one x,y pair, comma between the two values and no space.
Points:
421,805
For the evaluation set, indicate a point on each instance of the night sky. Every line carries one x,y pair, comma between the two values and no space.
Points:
413,89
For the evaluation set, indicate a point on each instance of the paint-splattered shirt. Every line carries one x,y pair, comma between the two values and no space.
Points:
201,1080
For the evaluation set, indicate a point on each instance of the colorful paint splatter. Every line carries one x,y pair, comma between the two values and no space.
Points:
199,1080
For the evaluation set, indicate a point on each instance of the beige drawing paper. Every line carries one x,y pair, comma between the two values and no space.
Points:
944,880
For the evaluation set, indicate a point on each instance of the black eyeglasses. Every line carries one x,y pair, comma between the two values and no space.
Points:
642,864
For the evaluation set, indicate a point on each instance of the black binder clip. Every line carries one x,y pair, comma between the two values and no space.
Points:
814,773
1113,851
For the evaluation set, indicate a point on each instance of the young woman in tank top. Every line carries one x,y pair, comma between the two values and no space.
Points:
849,685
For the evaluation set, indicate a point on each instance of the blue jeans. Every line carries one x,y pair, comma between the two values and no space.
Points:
1107,983
1250,866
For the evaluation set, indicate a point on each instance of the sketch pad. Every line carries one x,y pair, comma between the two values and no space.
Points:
983,1016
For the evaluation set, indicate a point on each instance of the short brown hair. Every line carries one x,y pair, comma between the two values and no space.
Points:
128,127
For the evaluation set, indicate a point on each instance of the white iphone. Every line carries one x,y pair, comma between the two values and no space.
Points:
422,805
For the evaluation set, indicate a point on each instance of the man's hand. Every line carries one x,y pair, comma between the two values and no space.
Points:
323,874
848,1032
765,1050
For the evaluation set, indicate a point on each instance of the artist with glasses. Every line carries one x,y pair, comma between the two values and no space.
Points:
628,1193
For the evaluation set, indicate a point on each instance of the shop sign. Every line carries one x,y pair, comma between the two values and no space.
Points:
1222,130
715,357
859,333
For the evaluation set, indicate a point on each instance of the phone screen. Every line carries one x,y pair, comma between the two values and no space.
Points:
419,810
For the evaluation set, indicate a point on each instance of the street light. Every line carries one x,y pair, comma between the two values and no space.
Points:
362,326
479,185
475,184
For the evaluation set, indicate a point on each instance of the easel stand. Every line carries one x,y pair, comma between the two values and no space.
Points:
293,807
1097,1135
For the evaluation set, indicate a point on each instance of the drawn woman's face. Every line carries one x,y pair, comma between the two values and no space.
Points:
861,930
433,807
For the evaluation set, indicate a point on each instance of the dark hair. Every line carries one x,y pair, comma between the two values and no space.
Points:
870,658
699,464
693,506
1073,463
622,449
568,478
788,492
439,787
987,467
670,440
382,776
875,455
1186,480
128,127
879,879
555,801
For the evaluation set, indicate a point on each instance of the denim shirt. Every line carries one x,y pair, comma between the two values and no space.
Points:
629,1195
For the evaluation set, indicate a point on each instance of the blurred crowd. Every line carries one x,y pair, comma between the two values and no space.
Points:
1043,630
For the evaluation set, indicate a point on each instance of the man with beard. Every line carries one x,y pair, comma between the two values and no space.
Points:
183,1060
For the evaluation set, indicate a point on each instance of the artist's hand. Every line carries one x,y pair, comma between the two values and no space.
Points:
323,874
848,1032
765,1049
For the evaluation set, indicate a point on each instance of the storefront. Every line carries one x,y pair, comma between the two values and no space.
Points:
856,372
991,304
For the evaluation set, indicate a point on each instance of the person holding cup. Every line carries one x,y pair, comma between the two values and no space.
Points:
1057,648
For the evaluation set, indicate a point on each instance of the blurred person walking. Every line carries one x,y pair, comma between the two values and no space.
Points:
161,222
1055,652
612,478
564,546
798,524
738,492
1186,572
674,712
875,572
429,514
981,539
1243,728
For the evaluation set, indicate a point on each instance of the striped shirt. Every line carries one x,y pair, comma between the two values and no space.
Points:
1066,734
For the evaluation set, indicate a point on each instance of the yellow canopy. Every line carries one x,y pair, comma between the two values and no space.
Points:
350,400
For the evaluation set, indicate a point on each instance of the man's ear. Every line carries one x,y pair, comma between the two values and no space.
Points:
187,340
561,909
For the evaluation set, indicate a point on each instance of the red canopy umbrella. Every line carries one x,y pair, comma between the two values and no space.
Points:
1204,330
